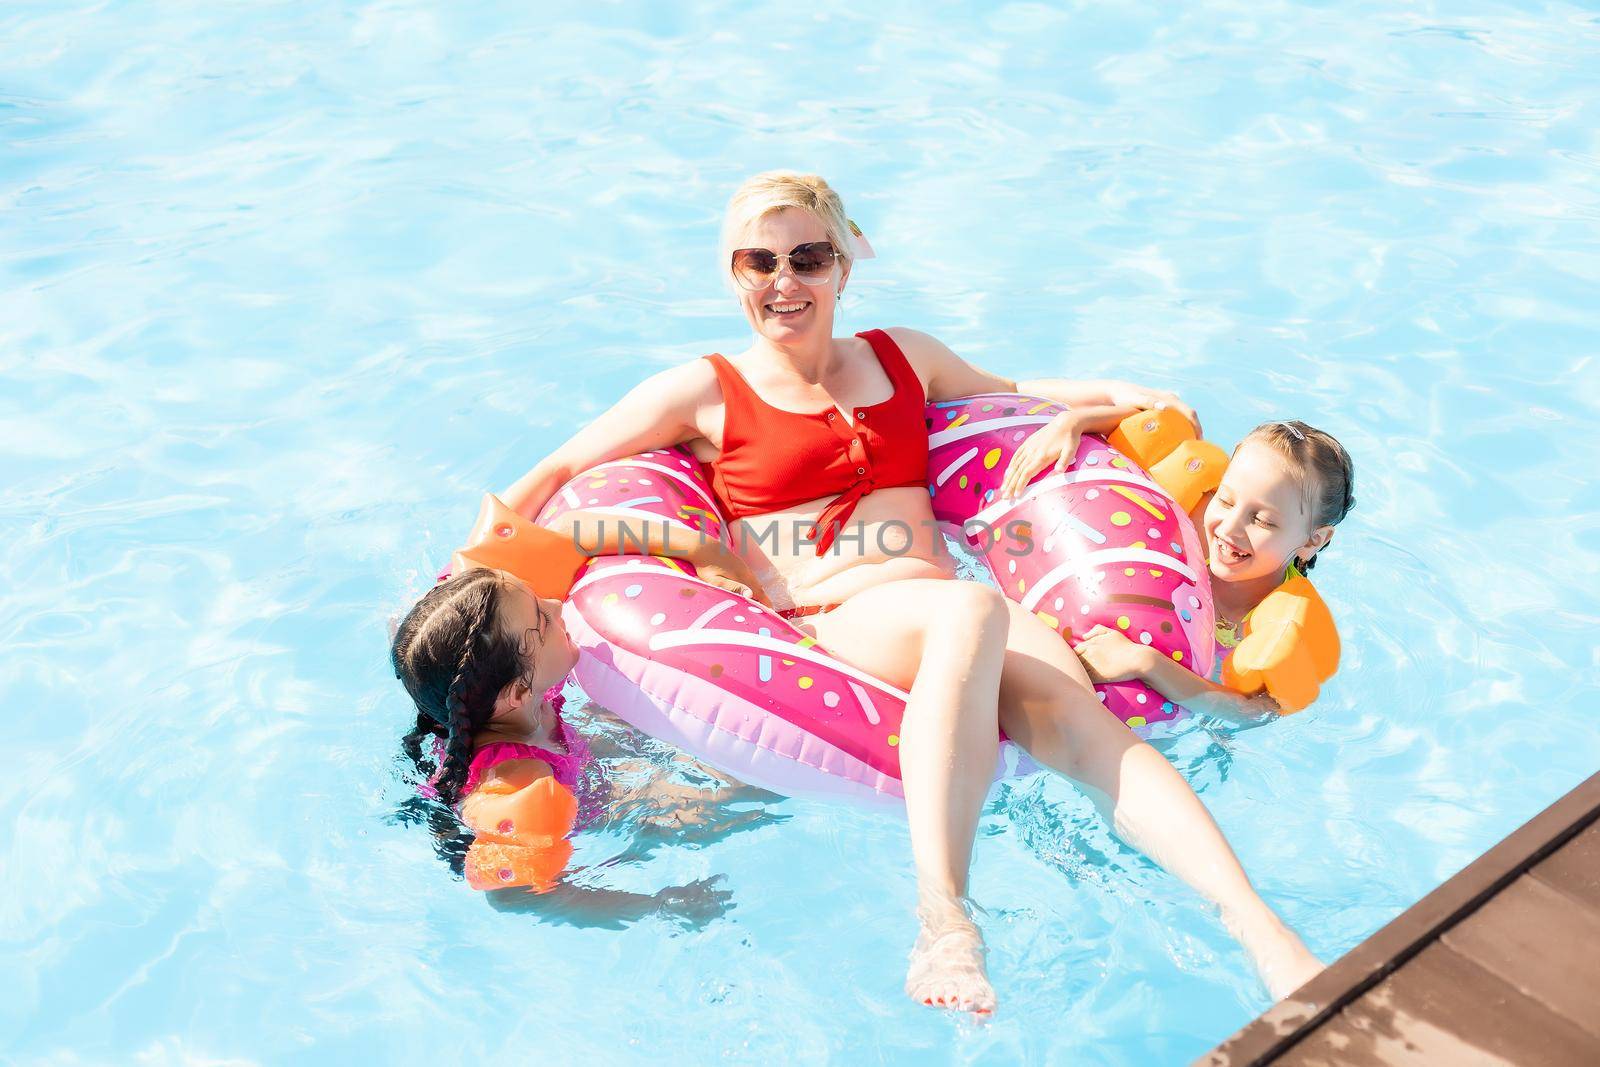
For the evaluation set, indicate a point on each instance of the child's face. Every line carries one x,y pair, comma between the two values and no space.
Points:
1259,517
545,642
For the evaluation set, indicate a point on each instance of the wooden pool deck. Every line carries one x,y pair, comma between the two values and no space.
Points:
1500,964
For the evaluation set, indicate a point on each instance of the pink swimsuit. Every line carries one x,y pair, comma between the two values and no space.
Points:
566,767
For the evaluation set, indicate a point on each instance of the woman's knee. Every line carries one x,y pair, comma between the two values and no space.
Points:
972,609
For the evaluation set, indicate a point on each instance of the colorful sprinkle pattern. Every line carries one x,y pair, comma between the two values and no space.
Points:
1102,544
656,609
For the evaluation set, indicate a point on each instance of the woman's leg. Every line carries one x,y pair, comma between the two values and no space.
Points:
1048,707
945,643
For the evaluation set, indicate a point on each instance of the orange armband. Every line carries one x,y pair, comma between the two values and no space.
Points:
1163,442
533,815
1290,647
502,539
521,835
494,865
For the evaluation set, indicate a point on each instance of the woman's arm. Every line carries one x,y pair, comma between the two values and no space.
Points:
661,411
1069,391
1109,656
1101,417
1108,394
598,534
1056,443
948,376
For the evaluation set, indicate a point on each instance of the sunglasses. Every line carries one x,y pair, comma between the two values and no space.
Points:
811,263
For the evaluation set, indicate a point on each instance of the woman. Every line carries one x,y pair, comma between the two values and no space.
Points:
812,434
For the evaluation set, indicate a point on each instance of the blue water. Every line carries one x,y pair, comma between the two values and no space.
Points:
285,287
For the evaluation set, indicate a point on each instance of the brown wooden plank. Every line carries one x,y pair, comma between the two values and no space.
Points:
1286,1022
1339,1042
1336,1043
1574,869
1541,942
1442,1008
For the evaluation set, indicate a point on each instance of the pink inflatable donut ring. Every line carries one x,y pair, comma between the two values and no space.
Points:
1101,543
715,673
732,683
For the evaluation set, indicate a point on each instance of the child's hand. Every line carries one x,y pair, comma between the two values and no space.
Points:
675,806
1056,443
1109,656
697,903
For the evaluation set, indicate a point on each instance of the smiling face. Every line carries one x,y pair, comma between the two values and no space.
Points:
543,643
1259,517
788,311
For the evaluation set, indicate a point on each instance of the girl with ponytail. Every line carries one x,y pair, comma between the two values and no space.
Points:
1285,488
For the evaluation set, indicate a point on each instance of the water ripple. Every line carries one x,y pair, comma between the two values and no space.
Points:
284,292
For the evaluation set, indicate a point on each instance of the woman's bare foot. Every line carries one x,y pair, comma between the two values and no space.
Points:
947,968
1280,957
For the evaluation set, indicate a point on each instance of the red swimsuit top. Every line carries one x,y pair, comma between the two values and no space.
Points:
774,459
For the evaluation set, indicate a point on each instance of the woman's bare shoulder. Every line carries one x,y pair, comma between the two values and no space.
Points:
922,349
907,339
692,380
926,353
685,395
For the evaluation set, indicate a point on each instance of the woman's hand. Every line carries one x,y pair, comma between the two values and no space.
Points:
1109,656
1141,398
719,565
1054,443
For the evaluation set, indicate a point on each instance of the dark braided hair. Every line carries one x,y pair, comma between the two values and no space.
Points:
454,659
1321,464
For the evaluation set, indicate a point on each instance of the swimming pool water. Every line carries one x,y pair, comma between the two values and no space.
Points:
285,287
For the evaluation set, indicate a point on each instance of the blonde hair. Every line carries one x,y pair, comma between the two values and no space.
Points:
1320,464
776,190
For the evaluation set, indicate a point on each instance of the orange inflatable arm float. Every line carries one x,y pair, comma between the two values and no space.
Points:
1290,647
1163,442
493,865
548,561
521,834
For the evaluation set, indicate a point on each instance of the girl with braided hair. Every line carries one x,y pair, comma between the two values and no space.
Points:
483,656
